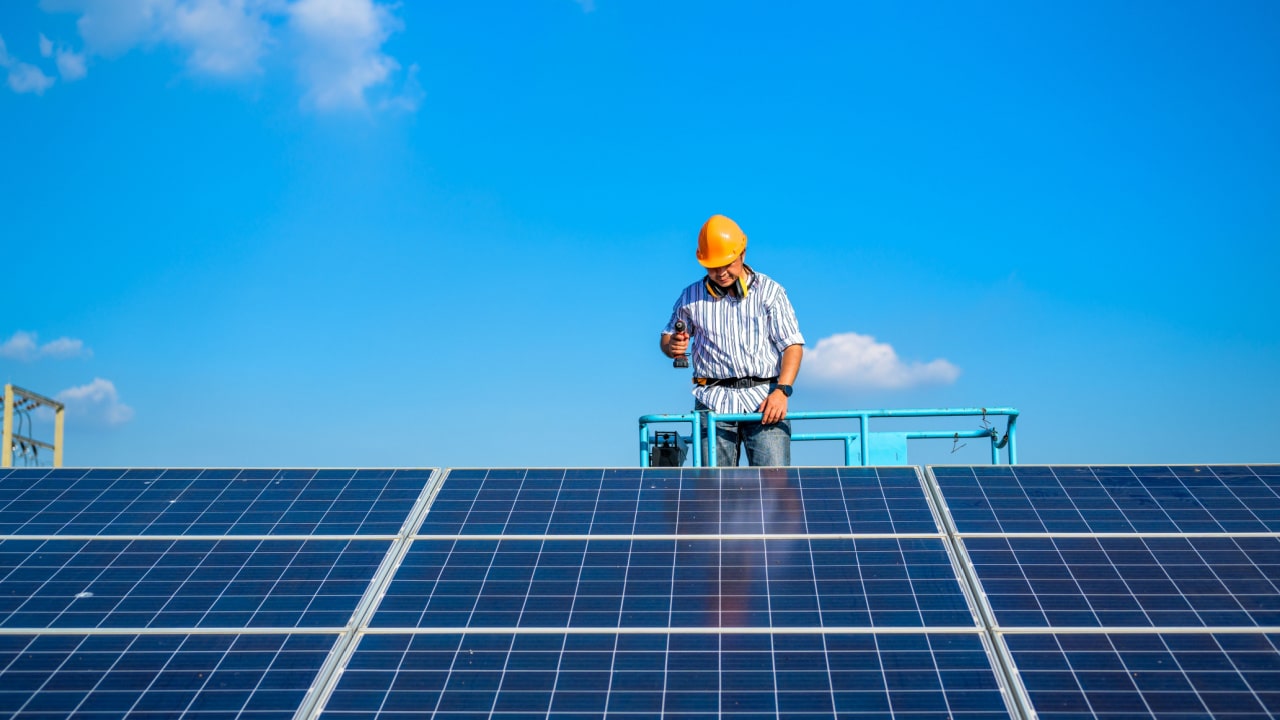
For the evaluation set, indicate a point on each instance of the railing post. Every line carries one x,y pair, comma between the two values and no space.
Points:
864,427
711,439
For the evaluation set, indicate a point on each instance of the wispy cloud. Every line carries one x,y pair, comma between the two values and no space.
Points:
852,360
25,346
335,45
97,403
71,65
340,55
23,77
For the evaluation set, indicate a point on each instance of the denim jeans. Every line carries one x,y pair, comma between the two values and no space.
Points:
766,445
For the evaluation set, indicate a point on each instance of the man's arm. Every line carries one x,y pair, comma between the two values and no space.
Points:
774,406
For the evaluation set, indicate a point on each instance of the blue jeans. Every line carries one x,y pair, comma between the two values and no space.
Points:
767,445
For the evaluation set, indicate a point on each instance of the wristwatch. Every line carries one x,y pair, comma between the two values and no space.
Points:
786,389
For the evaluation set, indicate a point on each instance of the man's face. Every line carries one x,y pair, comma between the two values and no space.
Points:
728,274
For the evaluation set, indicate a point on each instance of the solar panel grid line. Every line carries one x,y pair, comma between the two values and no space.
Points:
683,536
684,630
166,631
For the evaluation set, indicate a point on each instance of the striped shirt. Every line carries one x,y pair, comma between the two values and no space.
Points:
732,337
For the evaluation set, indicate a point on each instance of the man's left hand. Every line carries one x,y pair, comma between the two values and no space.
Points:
774,407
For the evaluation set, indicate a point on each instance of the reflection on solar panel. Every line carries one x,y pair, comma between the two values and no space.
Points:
1128,592
672,583
694,502
974,592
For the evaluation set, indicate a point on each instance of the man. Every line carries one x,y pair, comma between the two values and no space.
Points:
746,347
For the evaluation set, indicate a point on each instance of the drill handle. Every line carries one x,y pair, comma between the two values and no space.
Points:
682,360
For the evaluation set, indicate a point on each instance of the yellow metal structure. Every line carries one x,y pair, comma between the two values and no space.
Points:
17,399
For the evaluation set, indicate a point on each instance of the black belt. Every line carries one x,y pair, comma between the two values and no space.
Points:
735,383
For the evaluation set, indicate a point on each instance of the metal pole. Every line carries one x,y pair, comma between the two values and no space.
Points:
6,452
57,436
711,439
644,444
864,427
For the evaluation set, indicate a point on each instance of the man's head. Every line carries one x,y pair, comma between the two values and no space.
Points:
721,247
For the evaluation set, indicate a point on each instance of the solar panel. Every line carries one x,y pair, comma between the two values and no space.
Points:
668,674
684,502
196,676
1218,581
229,583
1140,675
206,502
668,583
1112,499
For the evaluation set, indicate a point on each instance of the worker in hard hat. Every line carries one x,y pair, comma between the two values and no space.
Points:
745,346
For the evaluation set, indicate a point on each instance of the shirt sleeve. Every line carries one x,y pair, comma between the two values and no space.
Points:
784,329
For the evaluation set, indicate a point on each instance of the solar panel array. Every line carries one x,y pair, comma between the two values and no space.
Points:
1120,592
971,592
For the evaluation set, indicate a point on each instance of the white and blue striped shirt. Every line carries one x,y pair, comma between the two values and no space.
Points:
732,337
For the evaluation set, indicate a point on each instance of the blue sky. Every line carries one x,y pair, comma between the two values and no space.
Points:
344,232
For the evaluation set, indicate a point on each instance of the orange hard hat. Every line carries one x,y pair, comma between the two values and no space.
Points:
720,242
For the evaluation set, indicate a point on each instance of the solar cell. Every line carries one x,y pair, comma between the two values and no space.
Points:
1215,581
1149,675
681,675
195,676
207,502
685,502
1111,499
232,583
734,582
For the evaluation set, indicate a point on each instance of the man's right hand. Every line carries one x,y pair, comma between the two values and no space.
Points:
677,344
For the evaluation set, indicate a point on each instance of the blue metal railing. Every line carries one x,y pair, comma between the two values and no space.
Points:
859,439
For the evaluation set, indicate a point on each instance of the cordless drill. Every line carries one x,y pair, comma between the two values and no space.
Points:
681,361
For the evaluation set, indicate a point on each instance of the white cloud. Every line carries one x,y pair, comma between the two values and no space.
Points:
25,78
25,346
4,54
71,65
224,37
46,46
858,361
340,49
97,402
335,45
